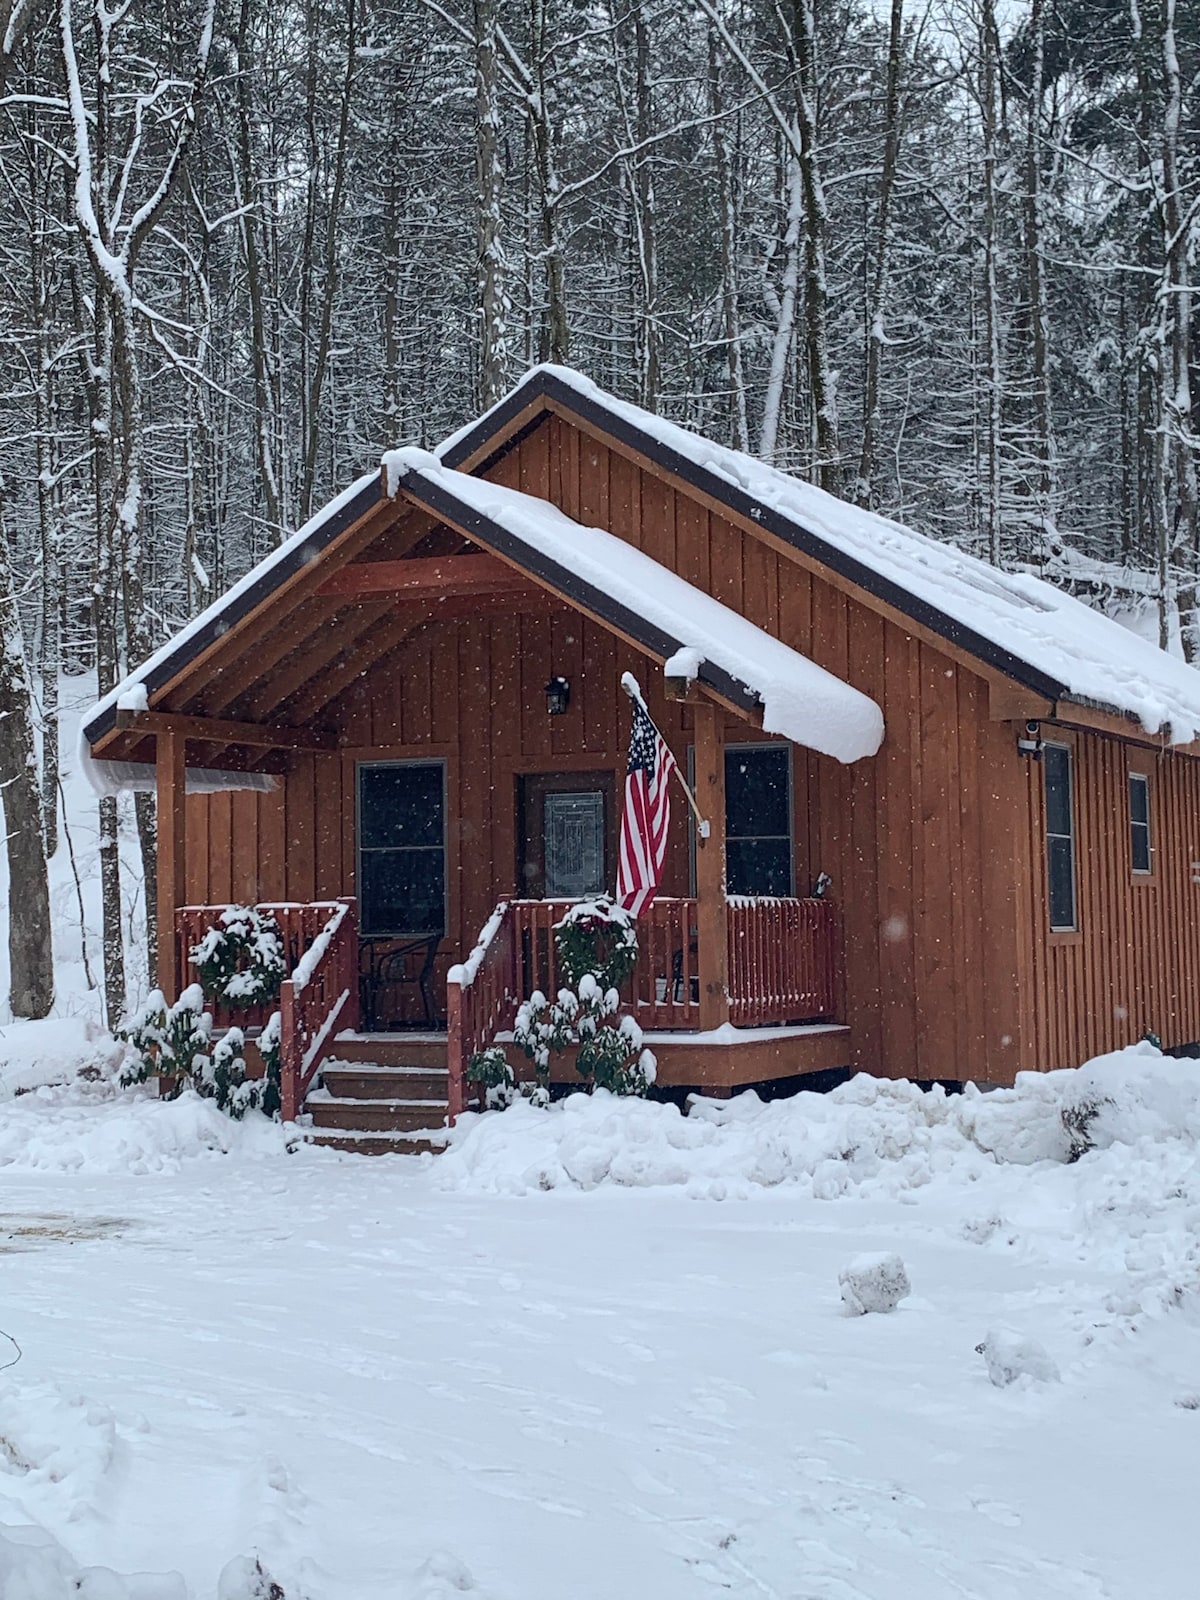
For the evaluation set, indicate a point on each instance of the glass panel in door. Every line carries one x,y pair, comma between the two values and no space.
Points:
574,839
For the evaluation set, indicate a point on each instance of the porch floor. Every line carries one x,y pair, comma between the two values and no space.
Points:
724,1058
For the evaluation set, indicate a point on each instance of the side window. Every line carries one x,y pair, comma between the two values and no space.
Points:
1139,821
1060,837
401,848
758,819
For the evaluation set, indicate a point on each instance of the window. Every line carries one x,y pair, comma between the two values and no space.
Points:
758,819
401,848
1139,821
1060,836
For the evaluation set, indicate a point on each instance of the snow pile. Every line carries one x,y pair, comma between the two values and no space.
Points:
55,1453
99,1129
54,1051
874,1282
34,1566
1010,1356
870,1135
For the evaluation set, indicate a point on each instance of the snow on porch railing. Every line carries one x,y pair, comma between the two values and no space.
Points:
481,1000
320,996
783,967
320,943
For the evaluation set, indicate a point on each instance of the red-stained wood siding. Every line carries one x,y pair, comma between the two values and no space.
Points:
935,846
1133,966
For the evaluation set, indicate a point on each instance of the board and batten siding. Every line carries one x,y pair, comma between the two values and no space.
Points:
1133,964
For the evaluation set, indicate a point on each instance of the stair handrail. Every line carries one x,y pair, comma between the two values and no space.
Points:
320,995
479,998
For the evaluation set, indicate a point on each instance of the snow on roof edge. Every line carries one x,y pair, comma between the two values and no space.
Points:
1017,623
800,700
179,642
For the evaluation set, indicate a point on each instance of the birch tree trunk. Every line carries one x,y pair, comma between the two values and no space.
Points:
1177,424
864,489
554,345
249,198
827,449
493,294
329,270
785,315
727,209
112,241
993,376
1044,474
648,342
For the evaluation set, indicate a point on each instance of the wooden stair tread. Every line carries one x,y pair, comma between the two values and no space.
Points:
379,1141
373,1068
322,1097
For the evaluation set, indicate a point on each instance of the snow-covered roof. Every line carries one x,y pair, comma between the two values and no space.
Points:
1044,638
800,700
303,546
1016,623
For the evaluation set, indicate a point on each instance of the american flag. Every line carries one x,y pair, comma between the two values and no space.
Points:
646,816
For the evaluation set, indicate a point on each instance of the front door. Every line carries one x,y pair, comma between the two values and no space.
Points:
566,844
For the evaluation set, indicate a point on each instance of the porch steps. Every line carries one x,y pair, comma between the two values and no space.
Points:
394,1106
374,1142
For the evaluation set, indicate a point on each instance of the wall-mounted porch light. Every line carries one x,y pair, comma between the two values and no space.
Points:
558,696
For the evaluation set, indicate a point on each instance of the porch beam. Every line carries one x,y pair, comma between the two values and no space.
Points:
426,577
712,933
171,794
212,730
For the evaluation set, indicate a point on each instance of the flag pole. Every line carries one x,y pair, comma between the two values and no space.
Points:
634,690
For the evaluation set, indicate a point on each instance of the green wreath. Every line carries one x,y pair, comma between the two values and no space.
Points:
240,961
597,937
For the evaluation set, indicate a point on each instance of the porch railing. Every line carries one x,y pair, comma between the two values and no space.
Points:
319,998
783,968
783,960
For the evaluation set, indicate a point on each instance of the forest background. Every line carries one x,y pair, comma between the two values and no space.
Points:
934,255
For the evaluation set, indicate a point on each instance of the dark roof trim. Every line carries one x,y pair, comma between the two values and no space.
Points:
222,617
437,498
548,385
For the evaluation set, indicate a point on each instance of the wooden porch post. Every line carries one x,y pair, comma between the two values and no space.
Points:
712,934
171,794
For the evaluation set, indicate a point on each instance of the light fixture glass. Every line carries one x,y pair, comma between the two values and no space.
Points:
558,696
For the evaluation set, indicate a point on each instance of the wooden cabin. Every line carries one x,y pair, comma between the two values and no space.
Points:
411,715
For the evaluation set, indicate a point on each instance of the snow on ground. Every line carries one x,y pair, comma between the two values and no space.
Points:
406,1378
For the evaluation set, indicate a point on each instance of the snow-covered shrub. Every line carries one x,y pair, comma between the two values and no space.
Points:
240,961
1078,1119
596,944
610,1054
1010,1356
174,1045
490,1069
270,1048
874,1282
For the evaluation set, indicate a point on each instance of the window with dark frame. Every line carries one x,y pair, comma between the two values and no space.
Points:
401,848
1139,822
1060,837
758,819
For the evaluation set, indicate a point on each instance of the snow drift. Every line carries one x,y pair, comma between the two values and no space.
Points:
98,1128
870,1135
